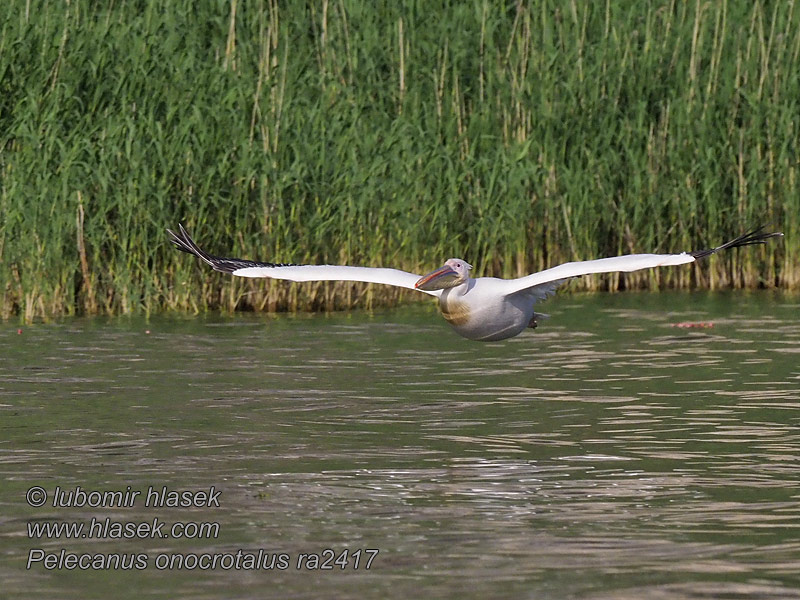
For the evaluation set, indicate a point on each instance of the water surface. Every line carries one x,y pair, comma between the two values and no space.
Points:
608,454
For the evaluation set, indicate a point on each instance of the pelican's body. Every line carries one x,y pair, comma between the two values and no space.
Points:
489,309
479,310
485,308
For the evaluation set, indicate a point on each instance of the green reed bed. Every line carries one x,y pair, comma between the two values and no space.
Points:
515,135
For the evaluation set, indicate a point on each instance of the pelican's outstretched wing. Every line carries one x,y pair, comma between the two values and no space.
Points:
544,283
291,272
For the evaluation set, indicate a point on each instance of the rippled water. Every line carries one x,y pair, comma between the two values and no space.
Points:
608,454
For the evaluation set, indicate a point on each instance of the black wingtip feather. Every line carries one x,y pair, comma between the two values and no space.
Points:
184,242
748,239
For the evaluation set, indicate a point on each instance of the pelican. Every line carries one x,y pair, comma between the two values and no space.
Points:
485,309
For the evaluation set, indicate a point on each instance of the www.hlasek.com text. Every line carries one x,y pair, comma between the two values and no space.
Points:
107,528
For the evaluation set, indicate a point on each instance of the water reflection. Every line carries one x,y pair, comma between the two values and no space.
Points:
607,455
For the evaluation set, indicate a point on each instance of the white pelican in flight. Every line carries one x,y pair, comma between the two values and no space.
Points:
484,309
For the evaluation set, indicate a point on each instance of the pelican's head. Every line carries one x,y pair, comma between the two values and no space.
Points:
454,272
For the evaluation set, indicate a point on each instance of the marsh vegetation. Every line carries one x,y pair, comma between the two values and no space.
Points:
515,135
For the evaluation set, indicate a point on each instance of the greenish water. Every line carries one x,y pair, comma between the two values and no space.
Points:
608,454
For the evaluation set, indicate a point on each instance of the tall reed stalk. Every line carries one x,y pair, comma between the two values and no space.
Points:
515,135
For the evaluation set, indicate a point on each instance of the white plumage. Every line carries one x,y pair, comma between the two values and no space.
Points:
485,308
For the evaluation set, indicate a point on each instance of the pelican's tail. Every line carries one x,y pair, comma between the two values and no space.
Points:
534,323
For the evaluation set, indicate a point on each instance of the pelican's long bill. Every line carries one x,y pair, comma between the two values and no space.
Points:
442,278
